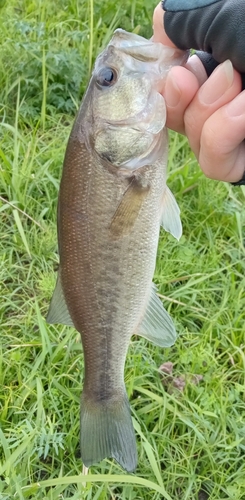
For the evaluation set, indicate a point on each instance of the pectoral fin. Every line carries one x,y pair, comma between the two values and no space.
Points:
58,311
170,219
128,210
157,326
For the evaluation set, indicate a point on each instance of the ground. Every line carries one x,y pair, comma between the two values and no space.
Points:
191,438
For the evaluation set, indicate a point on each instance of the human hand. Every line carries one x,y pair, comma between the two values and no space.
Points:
210,112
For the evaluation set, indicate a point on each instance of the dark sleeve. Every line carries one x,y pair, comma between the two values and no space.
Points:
213,26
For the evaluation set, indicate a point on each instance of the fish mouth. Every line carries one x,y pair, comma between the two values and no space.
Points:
138,47
145,50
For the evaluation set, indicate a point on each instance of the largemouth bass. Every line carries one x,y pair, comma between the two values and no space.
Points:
113,198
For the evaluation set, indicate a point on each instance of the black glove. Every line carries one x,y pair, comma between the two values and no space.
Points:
216,27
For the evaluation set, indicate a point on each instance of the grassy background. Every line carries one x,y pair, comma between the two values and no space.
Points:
191,443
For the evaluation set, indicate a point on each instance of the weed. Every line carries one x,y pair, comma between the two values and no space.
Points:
191,444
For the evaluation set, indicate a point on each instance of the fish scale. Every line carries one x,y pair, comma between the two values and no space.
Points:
111,205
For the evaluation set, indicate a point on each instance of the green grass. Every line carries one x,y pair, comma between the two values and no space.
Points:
191,444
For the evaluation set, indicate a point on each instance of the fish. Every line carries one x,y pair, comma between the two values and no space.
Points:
113,198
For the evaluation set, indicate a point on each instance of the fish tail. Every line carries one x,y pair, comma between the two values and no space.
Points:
107,432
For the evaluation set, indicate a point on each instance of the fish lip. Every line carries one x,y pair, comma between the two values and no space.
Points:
127,43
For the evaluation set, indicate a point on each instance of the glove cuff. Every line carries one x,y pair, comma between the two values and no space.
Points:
241,182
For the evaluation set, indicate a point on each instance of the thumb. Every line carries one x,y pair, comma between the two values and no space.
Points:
159,34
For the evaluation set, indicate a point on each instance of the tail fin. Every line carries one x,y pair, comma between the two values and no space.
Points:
107,432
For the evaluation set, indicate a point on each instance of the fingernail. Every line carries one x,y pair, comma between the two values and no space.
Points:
237,106
220,81
172,92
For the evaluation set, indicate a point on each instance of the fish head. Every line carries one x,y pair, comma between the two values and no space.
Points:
127,114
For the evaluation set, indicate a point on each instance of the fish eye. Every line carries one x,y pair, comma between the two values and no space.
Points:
106,77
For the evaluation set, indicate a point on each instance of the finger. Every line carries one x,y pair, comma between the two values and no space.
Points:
195,65
180,88
220,88
222,146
